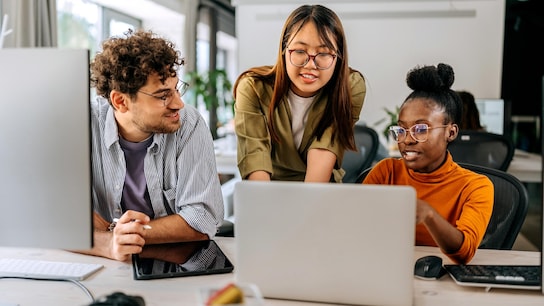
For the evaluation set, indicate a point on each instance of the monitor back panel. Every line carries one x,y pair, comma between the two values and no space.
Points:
336,243
45,176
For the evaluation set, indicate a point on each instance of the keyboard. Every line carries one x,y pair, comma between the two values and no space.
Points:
499,276
41,269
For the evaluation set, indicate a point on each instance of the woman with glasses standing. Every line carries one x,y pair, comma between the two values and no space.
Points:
294,120
454,204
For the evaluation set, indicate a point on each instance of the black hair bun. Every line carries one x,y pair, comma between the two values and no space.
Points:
431,78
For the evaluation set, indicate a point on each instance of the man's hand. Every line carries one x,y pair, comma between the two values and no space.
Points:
126,238
132,231
128,235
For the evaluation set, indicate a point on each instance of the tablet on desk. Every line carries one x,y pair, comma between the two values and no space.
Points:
180,259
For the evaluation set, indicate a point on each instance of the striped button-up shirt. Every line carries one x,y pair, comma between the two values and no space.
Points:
179,168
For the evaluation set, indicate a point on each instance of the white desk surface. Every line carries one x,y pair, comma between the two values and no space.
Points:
117,276
527,167
225,156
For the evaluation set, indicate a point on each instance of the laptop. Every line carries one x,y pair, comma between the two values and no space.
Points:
321,242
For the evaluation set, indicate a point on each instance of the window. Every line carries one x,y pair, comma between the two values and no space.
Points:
221,21
115,23
3,27
78,24
84,24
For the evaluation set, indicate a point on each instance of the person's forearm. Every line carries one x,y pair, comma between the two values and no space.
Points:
127,242
320,165
171,228
259,176
446,236
101,246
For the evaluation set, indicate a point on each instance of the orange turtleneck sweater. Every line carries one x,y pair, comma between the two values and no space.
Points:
461,196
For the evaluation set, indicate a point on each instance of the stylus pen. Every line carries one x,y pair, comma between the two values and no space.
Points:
146,226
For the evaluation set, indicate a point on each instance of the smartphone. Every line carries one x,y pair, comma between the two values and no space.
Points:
180,259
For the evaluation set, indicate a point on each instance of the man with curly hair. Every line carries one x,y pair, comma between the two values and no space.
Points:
154,174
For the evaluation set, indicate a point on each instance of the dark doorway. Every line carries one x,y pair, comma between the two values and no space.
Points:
523,69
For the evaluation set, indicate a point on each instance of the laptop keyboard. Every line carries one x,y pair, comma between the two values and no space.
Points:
510,275
41,269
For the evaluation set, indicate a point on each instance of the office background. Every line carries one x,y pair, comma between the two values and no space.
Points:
495,46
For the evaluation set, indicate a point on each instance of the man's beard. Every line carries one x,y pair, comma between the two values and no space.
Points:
160,127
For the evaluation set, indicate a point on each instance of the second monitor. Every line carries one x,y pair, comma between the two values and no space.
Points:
494,115
45,164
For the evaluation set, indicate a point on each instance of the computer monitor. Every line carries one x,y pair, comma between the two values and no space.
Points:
494,115
542,189
45,164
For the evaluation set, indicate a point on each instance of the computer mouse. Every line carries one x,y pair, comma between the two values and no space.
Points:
429,267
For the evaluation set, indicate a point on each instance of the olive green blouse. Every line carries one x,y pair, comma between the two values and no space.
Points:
284,161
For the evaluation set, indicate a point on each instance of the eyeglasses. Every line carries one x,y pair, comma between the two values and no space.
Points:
169,94
300,58
419,132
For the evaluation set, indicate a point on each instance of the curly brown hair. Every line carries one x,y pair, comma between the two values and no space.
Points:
125,63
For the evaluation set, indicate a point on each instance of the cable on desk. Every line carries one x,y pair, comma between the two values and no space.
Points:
77,283
85,289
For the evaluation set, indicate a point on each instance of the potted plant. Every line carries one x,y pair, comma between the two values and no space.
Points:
391,120
212,88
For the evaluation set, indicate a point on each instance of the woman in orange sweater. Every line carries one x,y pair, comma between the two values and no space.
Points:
454,204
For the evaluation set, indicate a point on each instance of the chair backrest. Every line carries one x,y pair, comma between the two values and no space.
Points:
362,175
483,149
367,142
510,206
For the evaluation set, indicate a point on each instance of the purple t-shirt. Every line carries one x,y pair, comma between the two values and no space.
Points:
135,195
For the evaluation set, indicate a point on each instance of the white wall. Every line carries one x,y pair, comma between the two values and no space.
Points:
388,38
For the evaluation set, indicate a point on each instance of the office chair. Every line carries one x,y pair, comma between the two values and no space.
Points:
511,202
361,177
510,206
483,149
367,142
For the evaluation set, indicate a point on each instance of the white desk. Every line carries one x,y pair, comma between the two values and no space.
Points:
446,292
225,156
527,167
117,276
226,163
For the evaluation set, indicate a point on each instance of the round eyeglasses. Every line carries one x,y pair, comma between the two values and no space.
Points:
167,95
419,132
300,58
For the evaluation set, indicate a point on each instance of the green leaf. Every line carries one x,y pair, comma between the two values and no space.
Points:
390,120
